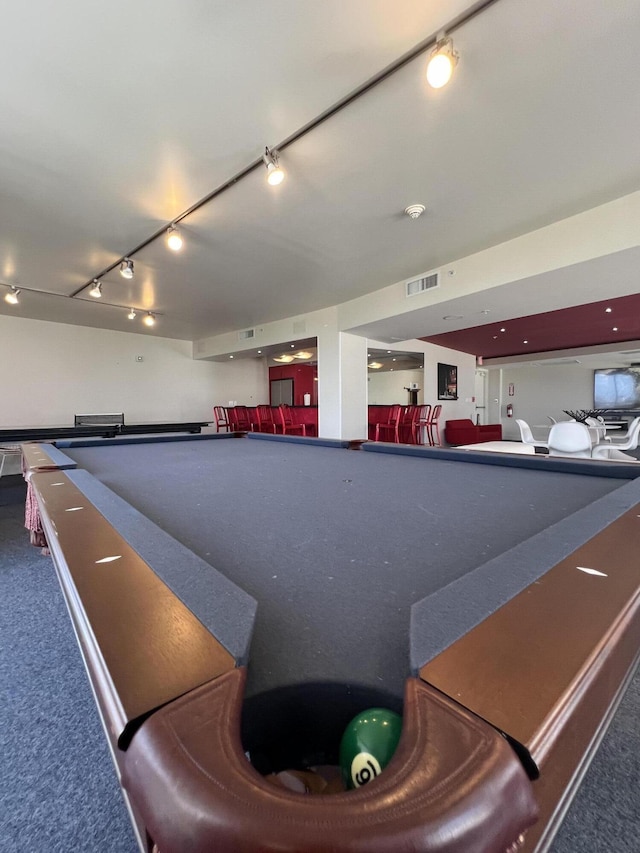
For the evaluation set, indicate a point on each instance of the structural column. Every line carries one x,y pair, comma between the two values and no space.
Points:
342,381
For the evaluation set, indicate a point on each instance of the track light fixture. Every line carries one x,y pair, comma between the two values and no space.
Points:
12,296
96,290
174,239
131,315
126,268
275,174
149,319
442,61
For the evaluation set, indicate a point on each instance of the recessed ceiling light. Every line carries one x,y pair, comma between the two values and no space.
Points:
230,356
495,337
615,329
608,310
525,342
503,330
259,351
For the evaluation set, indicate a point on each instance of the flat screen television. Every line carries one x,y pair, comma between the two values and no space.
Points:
617,388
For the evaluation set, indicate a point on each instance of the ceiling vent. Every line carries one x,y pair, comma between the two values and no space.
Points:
246,334
419,285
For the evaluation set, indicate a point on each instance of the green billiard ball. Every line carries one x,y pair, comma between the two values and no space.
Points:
368,744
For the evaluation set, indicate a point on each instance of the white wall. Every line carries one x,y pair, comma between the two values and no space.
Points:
540,392
389,387
52,371
464,406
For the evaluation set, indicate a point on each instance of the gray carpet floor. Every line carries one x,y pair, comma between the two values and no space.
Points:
58,790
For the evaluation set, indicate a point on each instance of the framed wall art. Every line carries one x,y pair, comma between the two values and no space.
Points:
447,382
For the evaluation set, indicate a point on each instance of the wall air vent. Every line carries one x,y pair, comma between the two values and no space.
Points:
419,285
246,334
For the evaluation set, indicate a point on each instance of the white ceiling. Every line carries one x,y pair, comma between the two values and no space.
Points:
118,117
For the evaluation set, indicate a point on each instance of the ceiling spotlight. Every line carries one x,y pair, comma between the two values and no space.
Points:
415,210
131,315
374,365
12,296
149,319
442,61
126,268
96,290
275,174
174,239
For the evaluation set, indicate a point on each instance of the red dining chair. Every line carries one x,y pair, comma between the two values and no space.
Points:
241,419
391,427
287,424
266,421
420,430
222,419
433,428
407,421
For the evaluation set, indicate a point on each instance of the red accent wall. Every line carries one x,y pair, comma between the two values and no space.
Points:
304,380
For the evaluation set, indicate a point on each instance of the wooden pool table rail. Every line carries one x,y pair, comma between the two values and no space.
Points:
573,645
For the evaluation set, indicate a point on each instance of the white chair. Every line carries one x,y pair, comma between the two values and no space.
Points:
526,436
570,438
623,437
597,424
605,448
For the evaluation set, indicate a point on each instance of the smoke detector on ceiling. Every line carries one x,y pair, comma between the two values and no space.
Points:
415,210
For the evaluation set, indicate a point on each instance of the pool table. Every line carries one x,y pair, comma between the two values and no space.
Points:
237,599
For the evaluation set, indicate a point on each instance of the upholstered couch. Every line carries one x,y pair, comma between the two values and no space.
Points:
464,431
